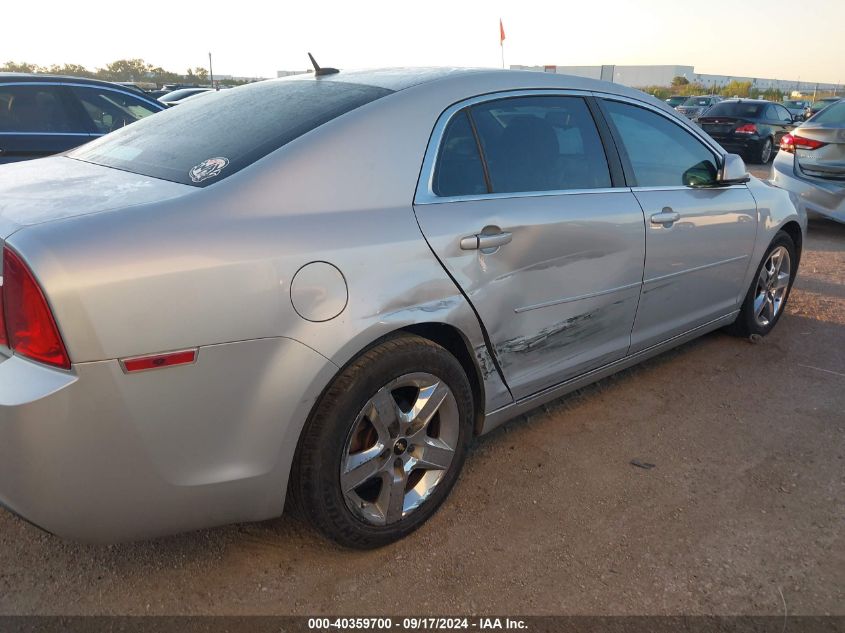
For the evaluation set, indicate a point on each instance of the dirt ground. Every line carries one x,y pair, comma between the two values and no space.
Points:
743,513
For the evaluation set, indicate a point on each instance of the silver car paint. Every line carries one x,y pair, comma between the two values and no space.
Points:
816,176
818,197
97,454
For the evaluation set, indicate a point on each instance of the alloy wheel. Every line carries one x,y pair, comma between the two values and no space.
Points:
772,286
400,448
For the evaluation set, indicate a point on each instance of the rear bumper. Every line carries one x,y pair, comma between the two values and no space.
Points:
819,197
101,456
739,145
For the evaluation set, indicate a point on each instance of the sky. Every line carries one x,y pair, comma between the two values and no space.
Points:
773,39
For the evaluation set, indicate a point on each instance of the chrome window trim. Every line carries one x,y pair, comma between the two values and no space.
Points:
685,188
425,185
520,194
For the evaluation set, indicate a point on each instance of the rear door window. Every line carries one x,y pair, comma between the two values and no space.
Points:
202,141
542,143
459,171
35,109
110,110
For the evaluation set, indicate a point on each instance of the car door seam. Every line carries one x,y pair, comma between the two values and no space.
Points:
484,334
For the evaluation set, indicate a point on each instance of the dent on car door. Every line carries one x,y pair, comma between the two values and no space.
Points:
36,120
520,208
699,237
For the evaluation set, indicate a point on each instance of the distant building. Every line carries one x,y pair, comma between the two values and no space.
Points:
236,78
641,76
288,73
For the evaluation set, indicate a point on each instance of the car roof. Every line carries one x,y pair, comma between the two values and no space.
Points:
43,77
744,100
397,79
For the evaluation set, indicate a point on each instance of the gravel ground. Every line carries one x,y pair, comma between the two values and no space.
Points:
743,513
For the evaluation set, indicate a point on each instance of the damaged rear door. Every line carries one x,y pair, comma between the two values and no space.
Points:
526,211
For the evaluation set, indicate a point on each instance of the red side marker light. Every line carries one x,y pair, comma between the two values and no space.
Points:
159,361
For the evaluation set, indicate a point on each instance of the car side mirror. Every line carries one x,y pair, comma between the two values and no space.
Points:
733,171
797,118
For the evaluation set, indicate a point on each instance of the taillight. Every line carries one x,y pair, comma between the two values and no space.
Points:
30,329
748,128
4,340
791,142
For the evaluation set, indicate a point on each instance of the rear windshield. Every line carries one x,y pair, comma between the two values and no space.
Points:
201,141
834,114
736,109
697,101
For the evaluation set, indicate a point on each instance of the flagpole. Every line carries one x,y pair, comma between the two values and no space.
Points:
502,41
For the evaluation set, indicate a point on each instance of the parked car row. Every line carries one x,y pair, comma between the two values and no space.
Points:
695,107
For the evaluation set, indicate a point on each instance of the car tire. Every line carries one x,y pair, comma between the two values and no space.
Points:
765,301
766,151
399,419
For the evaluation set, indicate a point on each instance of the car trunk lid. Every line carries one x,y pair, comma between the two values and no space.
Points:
721,125
826,161
57,188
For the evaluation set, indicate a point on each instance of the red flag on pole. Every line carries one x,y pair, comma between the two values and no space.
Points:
501,33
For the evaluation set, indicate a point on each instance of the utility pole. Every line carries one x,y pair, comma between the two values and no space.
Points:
210,71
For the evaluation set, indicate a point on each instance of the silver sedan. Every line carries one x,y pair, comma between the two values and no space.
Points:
321,289
811,163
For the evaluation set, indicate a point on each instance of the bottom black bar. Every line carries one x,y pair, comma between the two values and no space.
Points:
517,624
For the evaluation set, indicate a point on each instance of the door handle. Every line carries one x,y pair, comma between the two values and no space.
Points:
667,217
483,241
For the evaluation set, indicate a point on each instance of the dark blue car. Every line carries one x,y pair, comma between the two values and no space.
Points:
47,114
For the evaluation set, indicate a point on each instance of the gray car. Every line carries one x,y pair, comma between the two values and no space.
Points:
811,163
695,107
796,107
322,288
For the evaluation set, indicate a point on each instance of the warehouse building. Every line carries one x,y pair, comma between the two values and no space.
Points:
641,76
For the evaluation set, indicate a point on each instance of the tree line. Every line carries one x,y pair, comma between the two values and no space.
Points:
131,70
745,89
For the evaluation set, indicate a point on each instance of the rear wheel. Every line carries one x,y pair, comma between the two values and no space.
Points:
766,298
765,154
385,444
